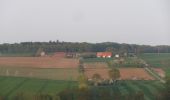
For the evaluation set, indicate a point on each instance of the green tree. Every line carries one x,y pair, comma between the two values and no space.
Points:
114,74
96,78
82,81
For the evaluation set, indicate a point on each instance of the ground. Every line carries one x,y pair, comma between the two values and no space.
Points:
10,86
53,74
39,62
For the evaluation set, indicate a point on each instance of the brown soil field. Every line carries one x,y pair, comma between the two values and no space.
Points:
125,73
39,62
134,74
95,65
160,72
103,72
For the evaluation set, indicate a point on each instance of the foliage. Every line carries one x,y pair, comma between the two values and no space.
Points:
96,78
53,46
114,74
82,81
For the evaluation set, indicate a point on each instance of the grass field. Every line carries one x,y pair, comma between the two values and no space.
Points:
41,73
10,86
157,60
91,60
149,88
161,60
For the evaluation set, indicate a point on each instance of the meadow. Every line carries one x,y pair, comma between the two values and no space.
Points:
11,86
161,60
41,73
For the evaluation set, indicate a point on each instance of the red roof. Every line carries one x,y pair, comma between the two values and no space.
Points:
105,54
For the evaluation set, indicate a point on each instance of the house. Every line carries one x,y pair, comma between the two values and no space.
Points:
104,54
117,56
42,54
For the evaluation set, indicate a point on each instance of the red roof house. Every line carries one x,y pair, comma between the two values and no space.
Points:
104,54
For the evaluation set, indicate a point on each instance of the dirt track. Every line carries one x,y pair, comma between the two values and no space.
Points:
38,62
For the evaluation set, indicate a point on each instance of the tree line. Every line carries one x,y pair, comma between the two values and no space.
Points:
54,46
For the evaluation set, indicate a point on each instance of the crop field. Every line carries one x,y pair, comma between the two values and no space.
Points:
96,65
125,73
161,60
92,60
149,88
41,73
39,62
10,86
157,60
167,71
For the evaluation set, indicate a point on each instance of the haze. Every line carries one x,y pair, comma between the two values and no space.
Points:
123,21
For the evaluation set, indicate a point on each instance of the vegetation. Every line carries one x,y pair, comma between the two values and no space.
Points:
53,46
41,73
11,87
157,60
114,74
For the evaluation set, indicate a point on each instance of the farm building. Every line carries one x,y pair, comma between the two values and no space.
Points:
104,54
42,54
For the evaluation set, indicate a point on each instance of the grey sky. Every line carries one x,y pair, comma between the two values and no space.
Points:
123,21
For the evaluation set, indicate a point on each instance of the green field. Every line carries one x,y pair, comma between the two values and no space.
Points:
41,73
161,60
149,88
157,60
91,60
127,62
10,86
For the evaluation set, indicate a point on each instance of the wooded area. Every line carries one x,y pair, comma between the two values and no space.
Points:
54,46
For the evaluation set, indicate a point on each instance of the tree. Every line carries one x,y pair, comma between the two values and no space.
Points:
82,81
96,78
114,74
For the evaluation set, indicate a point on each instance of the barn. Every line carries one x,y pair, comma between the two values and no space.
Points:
104,54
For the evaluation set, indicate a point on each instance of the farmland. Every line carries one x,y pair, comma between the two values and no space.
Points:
38,62
157,60
10,86
33,75
41,73
161,60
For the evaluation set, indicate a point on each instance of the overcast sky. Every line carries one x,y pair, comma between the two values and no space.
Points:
123,21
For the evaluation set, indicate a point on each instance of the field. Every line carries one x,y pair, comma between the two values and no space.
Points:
161,60
150,88
41,73
10,86
157,60
125,73
95,65
93,60
38,62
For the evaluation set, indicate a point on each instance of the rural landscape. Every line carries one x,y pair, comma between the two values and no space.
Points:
84,49
84,71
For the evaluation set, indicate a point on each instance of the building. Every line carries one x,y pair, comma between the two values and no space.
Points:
42,54
104,54
117,56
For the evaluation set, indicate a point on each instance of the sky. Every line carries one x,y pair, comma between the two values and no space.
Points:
123,21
